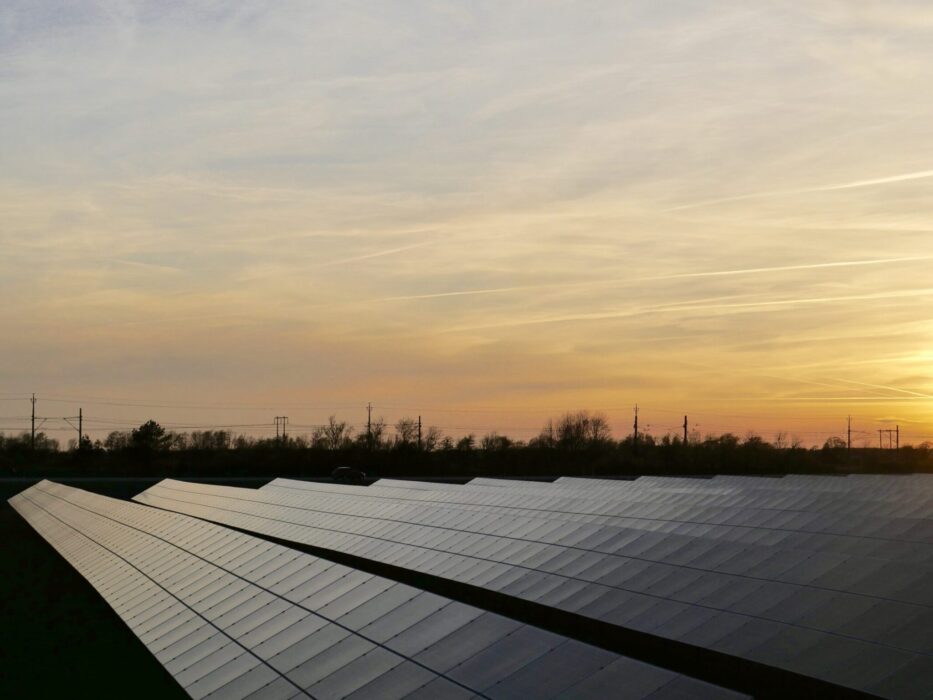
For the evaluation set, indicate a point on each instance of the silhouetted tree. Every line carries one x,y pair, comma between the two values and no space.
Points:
494,441
198,440
46,444
406,431
84,444
180,441
577,430
466,443
547,437
150,436
377,431
433,438
117,440
336,435
578,444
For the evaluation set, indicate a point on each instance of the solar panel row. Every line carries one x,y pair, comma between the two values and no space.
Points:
234,616
834,564
690,508
795,589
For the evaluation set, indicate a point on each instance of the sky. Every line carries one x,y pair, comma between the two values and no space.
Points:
484,213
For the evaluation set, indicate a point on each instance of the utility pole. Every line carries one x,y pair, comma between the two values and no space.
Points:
33,443
849,437
79,427
419,432
891,432
635,442
369,425
280,420
685,430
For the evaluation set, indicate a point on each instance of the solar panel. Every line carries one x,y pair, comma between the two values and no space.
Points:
630,508
234,616
820,611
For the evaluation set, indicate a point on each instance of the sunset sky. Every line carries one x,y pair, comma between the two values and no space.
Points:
482,212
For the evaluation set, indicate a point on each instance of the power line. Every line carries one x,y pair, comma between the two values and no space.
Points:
139,403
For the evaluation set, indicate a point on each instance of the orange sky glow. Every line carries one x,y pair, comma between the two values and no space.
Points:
485,214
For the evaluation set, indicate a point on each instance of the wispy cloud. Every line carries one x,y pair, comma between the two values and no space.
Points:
263,183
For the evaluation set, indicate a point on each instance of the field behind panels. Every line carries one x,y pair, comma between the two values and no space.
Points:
657,587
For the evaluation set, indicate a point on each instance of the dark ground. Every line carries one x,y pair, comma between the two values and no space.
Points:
60,639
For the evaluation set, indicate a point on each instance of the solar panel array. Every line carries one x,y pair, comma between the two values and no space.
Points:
825,577
234,616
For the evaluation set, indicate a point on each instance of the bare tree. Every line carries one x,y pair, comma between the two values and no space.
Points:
406,431
494,441
208,440
335,435
433,438
375,437
181,441
834,443
576,430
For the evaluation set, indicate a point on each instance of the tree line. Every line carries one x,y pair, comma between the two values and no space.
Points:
575,443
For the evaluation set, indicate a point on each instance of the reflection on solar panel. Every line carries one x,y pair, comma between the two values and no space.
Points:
234,616
763,570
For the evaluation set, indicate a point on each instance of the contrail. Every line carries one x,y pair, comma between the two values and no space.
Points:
471,292
144,265
888,388
602,316
784,268
653,278
834,399
919,175
378,254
